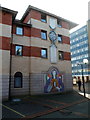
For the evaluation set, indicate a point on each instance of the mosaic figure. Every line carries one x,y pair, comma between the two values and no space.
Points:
54,82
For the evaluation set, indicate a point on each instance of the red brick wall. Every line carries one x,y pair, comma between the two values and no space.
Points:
28,17
13,49
5,43
26,30
35,32
67,56
32,14
65,25
35,51
14,29
5,18
28,51
66,40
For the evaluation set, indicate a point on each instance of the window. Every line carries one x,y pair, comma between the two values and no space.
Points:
19,30
44,34
60,55
59,38
18,50
44,53
59,23
76,33
43,18
18,80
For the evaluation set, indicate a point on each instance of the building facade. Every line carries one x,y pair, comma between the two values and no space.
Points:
35,53
80,51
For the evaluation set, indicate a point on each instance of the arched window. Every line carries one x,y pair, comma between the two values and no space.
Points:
18,80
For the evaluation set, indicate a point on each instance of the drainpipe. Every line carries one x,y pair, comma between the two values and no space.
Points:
10,68
30,63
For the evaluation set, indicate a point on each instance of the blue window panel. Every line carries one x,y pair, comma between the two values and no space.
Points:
18,50
43,20
18,82
73,35
79,60
43,35
59,38
88,73
59,25
44,53
79,47
79,41
78,54
19,31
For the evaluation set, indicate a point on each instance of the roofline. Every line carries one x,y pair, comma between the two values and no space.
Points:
80,27
72,24
14,13
18,22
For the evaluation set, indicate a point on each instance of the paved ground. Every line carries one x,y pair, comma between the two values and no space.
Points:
87,89
67,105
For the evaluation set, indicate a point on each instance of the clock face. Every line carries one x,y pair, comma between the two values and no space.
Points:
52,36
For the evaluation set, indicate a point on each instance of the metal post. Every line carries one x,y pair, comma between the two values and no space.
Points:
83,80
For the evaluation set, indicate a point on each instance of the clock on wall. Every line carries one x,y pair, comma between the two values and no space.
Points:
52,36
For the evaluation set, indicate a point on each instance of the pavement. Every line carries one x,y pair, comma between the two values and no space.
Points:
56,106
87,89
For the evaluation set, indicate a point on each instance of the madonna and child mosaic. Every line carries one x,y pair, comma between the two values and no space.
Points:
54,81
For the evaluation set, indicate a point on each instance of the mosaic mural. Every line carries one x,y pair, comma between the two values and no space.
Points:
54,82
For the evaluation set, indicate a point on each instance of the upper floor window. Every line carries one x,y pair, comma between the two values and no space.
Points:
43,18
18,50
76,33
59,23
60,55
59,38
44,53
43,34
19,30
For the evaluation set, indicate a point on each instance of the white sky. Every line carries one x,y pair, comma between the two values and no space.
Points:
73,10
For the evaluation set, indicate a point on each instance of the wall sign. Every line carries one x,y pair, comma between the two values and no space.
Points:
53,23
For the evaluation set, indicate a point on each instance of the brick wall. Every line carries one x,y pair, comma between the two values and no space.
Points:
28,51
5,43
35,32
67,56
26,30
66,40
65,25
5,18
32,14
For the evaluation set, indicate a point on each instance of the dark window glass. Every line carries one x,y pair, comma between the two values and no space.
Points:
43,18
59,23
19,31
44,35
18,50
60,55
18,80
44,53
59,38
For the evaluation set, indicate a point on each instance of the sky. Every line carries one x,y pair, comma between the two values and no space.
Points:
73,10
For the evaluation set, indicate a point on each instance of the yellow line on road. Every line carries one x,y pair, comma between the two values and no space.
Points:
12,110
